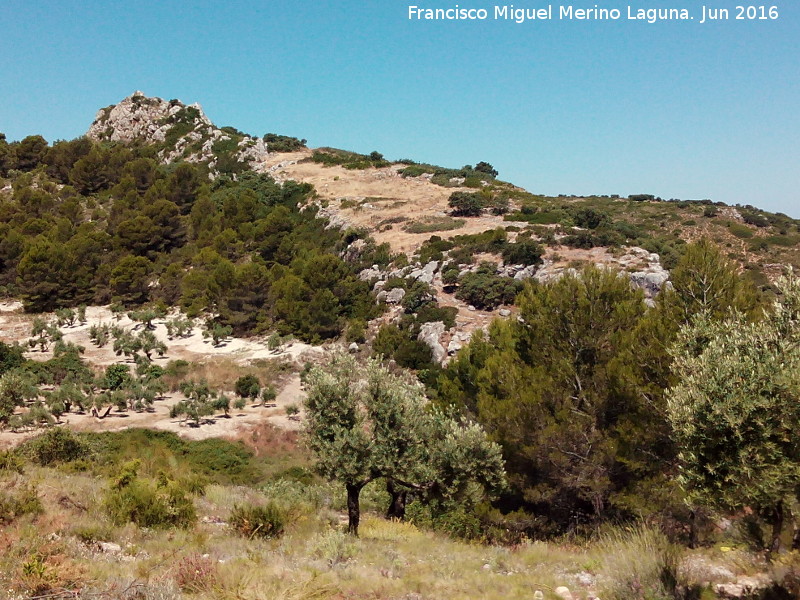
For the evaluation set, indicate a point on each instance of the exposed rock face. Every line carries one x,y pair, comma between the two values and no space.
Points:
184,132
431,333
393,296
642,267
426,273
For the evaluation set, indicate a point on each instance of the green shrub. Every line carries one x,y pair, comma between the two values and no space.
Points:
248,386
432,224
538,218
148,503
14,505
590,218
741,231
433,312
466,204
220,461
283,143
265,521
485,289
54,446
10,461
524,252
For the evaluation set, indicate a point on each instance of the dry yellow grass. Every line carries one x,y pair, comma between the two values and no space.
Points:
73,546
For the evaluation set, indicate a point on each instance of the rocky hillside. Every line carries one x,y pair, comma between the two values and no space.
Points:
181,132
444,250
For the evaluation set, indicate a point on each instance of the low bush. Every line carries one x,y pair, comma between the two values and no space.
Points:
56,445
524,252
485,289
148,503
466,204
25,501
196,573
265,521
283,143
433,224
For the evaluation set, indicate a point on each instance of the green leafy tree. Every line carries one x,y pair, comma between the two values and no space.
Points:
705,281
127,344
15,390
217,332
466,204
30,152
146,315
130,279
66,317
149,343
42,275
248,386
485,167
565,389
199,402
179,327
100,334
363,423
268,395
6,156
43,334
735,411
223,403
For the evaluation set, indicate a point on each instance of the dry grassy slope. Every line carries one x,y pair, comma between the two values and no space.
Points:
383,202
386,194
74,546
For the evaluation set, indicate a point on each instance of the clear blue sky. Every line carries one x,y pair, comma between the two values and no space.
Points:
676,109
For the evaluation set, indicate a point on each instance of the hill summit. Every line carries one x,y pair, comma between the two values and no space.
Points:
182,132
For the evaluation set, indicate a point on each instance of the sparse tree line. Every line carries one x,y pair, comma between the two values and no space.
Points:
40,393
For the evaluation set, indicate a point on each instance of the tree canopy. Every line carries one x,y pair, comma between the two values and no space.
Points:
735,410
364,423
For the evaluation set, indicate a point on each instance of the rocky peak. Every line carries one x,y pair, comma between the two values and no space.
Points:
183,132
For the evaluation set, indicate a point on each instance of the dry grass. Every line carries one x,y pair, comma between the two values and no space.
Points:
222,372
266,439
67,548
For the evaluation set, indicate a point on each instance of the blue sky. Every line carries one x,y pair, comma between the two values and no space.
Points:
675,109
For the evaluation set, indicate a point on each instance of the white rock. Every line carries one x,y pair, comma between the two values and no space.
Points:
395,296
453,347
563,593
430,334
372,273
110,547
140,118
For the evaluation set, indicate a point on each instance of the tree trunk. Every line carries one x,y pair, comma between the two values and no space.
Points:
397,506
353,507
693,529
777,528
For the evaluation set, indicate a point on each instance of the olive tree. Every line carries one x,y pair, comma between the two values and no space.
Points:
736,409
364,423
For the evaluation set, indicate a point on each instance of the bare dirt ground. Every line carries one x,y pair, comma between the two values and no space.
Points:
15,327
383,196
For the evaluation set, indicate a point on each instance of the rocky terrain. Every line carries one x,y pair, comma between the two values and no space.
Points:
380,200
184,132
